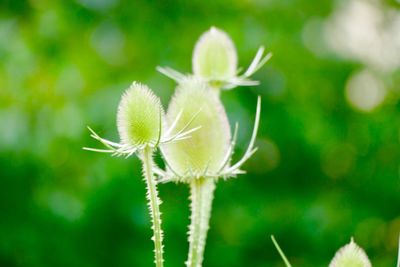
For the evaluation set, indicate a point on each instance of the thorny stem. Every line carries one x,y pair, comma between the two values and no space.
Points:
154,205
201,196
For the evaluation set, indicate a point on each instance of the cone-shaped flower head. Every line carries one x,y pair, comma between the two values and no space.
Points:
139,116
351,255
215,61
140,121
214,56
195,103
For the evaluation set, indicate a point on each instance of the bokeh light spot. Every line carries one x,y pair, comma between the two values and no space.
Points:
364,91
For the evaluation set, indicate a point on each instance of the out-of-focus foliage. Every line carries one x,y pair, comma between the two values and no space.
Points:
328,164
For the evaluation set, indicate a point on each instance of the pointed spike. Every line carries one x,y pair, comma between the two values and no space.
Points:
171,73
183,128
263,61
174,123
97,150
229,153
255,62
250,149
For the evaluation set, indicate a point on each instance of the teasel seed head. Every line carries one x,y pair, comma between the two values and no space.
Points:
139,116
351,255
204,151
214,56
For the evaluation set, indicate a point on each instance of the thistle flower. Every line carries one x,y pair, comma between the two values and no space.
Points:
351,255
207,154
215,61
140,124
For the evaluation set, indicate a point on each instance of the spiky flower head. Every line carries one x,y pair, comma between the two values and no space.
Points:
215,61
139,116
140,122
195,103
208,151
351,255
214,56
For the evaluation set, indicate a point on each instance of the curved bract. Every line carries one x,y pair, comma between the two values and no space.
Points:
195,102
214,56
139,116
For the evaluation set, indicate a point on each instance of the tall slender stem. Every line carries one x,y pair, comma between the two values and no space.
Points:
398,257
285,260
154,205
201,196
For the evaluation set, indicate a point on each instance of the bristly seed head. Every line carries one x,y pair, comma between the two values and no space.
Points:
214,56
140,122
139,116
204,151
351,255
215,61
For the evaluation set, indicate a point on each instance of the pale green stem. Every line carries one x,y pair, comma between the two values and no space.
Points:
201,197
154,205
287,263
398,256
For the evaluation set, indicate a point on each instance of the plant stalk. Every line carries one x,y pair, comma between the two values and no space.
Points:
398,256
154,205
201,197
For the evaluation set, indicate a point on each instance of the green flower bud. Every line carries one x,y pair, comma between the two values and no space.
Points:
139,116
204,151
214,56
351,255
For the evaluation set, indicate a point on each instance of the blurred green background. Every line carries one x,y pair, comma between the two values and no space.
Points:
328,165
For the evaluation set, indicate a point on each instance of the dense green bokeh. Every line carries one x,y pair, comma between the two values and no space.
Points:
325,171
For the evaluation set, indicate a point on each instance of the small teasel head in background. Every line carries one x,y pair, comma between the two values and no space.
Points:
215,61
141,123
214,56
207,154
351,255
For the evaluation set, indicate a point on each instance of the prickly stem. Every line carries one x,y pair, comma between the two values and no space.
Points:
201,197
154,205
